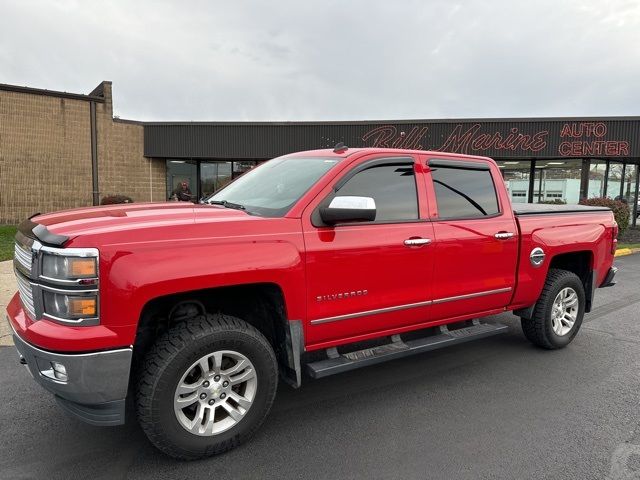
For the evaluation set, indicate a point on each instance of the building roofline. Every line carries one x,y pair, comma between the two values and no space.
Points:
126,120
391,121
50,93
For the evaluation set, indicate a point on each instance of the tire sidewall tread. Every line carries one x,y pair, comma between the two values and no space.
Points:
538,329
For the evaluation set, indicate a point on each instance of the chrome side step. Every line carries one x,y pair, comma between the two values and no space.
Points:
397,348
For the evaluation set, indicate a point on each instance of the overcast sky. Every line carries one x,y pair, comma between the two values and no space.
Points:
331,60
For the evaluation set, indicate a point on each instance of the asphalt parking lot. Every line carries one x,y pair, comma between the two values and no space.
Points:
496,409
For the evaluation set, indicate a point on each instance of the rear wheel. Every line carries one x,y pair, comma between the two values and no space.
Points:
558,312
206,386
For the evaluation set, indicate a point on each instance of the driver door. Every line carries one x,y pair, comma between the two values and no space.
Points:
367,277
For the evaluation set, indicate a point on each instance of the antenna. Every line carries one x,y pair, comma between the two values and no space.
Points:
340,147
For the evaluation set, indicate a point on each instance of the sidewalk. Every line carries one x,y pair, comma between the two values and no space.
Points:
7,289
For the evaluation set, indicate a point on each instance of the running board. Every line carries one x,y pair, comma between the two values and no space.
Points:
338,363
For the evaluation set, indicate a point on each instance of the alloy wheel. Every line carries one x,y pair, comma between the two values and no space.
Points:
564,311
215,393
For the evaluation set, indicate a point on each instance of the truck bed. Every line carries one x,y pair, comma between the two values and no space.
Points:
546,209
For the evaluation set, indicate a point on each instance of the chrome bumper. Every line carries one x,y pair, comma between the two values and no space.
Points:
96,384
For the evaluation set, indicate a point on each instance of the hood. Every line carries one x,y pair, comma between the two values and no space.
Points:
132,216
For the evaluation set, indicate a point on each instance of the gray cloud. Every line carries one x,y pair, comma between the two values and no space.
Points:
331,60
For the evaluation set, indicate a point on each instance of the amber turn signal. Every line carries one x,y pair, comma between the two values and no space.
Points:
79,306
82,267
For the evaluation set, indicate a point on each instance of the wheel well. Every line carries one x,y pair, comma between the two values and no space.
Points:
261,305
580,263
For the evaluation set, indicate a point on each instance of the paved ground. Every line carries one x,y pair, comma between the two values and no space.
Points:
494,409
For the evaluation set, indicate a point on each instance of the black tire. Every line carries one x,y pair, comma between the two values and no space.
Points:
538,329
171,356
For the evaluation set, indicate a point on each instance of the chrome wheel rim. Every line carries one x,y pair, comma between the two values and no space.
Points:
564,311
215,393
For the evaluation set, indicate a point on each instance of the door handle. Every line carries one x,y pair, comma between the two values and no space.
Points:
416,242
503,235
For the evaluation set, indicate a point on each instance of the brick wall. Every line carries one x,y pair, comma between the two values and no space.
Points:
45,155
121,165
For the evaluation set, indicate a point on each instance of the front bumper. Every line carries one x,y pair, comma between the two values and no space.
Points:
96,383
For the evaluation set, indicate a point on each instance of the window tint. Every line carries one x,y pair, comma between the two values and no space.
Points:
464,193
393,187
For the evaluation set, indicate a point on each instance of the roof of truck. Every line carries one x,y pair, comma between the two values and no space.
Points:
347,152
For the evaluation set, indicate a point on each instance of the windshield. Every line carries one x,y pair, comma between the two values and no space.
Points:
273,188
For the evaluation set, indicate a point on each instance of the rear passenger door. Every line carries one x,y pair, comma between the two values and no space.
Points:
475,236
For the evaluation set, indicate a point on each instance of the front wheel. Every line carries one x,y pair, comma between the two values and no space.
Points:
558,313
206,386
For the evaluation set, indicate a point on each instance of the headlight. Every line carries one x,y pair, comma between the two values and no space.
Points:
70,307
68,285
69,268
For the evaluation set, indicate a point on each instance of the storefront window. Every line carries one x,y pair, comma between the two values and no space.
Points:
516,176
597,172
214,176
240,167
178,172
629,187
614,180
557,181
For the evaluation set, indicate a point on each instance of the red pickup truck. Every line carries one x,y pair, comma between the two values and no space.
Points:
316,262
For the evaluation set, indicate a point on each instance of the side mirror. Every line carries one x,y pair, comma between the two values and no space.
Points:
349,209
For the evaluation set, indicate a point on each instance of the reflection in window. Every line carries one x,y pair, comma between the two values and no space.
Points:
516,175
557,181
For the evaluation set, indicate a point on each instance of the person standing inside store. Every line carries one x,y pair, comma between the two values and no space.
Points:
182,193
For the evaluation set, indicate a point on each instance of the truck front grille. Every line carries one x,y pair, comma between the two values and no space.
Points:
23,257
26,295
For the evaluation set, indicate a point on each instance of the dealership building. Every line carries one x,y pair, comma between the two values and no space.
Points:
63,150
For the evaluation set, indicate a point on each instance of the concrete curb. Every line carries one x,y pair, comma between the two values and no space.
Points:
626,251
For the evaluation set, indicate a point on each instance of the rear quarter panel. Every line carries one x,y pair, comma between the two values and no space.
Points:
557,234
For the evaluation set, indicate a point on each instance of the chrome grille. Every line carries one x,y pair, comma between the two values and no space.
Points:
26,295
23,256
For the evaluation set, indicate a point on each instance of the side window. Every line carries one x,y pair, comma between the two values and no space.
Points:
463,193
393,187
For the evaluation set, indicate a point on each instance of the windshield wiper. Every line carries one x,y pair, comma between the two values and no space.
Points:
226,204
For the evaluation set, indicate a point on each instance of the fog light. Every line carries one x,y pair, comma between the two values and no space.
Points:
59,371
